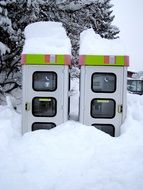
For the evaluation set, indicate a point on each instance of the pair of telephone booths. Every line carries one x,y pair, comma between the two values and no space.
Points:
46,83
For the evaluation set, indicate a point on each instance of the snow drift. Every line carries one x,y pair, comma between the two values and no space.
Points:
72,156
92,44
46,38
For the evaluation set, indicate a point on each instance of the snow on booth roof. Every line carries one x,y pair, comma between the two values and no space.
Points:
46,43
95,50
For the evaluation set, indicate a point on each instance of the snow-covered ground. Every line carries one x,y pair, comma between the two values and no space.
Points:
72,156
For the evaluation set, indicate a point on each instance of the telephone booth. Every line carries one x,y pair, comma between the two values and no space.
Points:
103,88
45,91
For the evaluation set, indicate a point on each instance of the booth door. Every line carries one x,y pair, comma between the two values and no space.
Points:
45,103
103,98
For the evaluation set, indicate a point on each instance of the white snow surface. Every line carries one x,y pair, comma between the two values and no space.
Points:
46,38
72,156
92,44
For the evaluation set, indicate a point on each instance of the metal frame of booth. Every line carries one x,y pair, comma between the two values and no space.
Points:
103,89
45,91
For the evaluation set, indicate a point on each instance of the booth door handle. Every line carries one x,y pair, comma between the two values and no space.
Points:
27,106
120,108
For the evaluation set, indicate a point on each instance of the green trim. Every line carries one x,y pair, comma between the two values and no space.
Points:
41,59
35,59
103,60
60,59
94,60
120,60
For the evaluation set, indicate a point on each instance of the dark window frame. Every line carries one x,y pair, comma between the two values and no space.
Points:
69,100
49,98
45,89
103,91
43,123
102,124
103,99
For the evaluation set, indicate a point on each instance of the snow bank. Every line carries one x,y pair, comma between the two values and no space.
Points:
92,44
72,156
46,38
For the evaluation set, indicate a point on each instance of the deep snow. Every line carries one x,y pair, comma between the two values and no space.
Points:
72,156
100,46
46,38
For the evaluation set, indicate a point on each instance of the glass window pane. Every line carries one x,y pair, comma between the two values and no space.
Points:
38,125
129,83
44,107
138,86
103,82
44,81
102,108
132,85
107,128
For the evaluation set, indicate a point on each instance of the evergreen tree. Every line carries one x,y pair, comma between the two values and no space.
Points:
21,13
6,34
5,28
76,16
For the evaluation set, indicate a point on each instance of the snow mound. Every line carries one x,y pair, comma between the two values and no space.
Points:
72,156
46,38
92,44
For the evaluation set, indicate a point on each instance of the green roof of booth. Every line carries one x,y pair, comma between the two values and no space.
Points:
104,60
44,59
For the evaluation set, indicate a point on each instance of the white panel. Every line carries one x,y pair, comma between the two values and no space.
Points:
86,95
125,94
82,94
61,95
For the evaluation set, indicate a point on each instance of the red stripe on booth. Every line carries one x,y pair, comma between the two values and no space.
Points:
47,58
23,58
126,58
56,59
67,59
106,59
81,59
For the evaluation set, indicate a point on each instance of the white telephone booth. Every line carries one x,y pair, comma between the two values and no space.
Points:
45,91
45,61
103,88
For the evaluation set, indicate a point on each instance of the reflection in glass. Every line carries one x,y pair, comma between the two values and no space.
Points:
107,128
102,108
135,86
44,107
44,81
103,82
38,125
